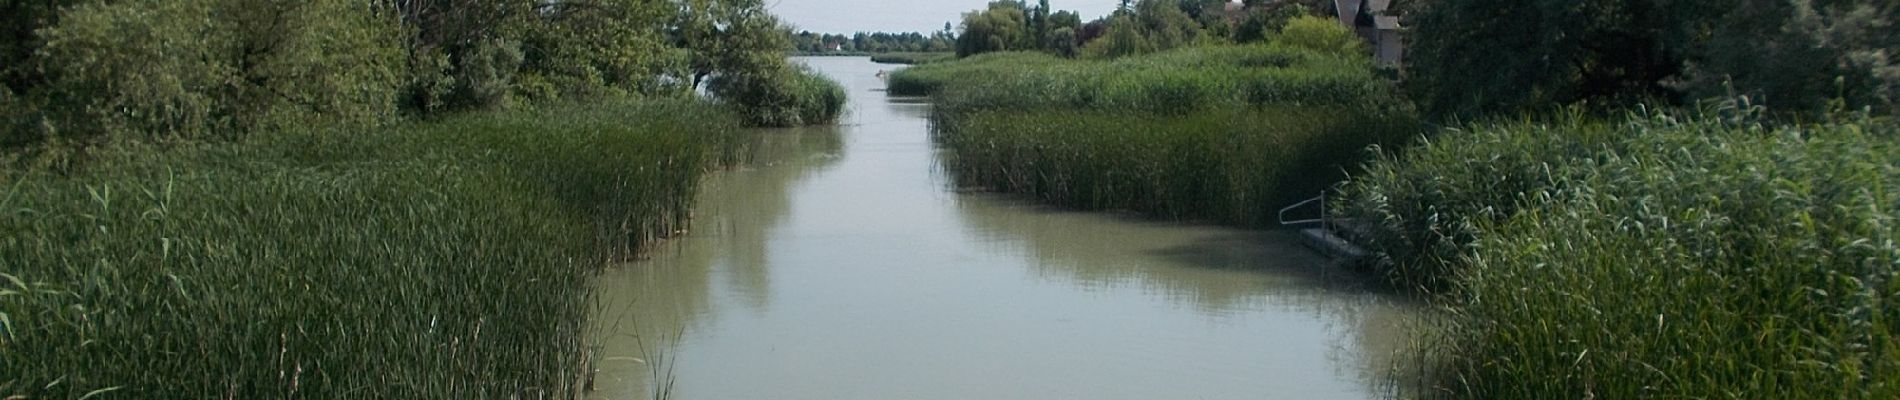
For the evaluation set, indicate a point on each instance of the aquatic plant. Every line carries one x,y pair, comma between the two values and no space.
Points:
1656,255
1228,134
439,259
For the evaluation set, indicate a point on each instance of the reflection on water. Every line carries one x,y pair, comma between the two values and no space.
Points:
840,266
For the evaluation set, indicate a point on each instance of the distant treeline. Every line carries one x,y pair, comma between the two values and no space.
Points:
1137,27
879,42
82,70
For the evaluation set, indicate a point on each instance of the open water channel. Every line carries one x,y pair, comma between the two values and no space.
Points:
840,264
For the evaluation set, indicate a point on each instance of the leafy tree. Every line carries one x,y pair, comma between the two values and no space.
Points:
1263,21
1153,25
197,68
578,49
1793,55
1001,27
1802,55
729,37
1124,37
1062,42
1322,35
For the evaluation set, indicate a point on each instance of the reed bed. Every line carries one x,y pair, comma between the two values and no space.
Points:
925,80
1171,82
442,259
1233,166
1227,134
1657,256
912,58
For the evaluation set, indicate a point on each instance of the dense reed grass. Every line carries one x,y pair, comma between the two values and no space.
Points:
1234,166
442,259
1228,134
924,80
912,58
1171,82
1653,257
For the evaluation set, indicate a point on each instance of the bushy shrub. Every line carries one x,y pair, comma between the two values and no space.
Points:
1321,35
789,96
198,68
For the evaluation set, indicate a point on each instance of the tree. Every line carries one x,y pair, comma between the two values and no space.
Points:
1795,56
1153,25
1062,42
1322,35
1003,26
1124,37
202,68
1260,22
729,37
1802,57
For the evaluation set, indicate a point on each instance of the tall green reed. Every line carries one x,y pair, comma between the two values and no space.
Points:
444,259
1657,256
1228,134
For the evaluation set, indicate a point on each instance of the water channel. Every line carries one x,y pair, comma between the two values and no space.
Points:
839,264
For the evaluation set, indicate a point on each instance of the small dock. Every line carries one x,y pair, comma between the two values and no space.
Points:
1322,232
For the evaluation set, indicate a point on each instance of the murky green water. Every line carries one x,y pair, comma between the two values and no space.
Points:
840,265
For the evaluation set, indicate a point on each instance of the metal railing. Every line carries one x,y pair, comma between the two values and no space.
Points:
1324,221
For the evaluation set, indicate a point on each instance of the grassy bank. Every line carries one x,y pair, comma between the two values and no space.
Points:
1228,134
441,259
1653,256
912,58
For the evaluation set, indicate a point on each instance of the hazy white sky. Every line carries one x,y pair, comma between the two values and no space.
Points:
850,16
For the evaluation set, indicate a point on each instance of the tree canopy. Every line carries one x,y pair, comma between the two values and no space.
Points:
1791,55
79,69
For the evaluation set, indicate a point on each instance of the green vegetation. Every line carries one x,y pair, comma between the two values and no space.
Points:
1138,27
1796,57
912,58
443,259
929,79
808,43
1216,133
786,97
1657,256
1227,166
84,73
1721,253
333,199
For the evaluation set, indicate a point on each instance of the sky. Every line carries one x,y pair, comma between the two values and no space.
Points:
852,16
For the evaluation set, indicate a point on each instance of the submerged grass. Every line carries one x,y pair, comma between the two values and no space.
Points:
1656,256
443,259
1228,134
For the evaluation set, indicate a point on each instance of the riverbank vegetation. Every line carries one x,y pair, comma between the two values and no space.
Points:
224,198
1621,202
1222,134
1654,255
912,58
434,259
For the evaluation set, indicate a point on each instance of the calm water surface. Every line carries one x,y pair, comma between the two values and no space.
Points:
840,265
